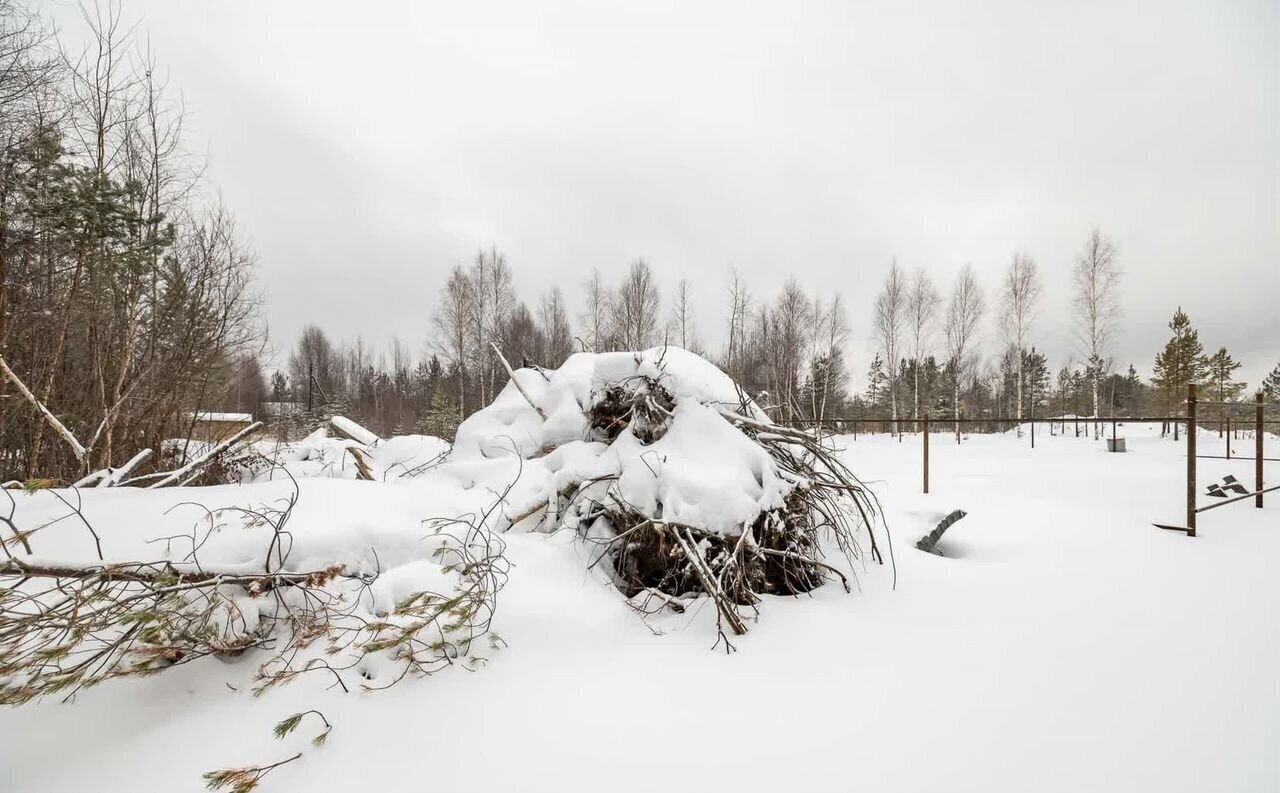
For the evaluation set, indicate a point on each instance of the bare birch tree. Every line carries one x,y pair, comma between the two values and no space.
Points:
739,308
964,313
453,320
889,321
791,334
683,330
1097,308
595,316
831,334
1020,299
922,309
555,328
636,307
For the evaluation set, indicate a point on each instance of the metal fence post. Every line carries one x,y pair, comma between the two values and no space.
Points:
1191,459
926,452
1257,451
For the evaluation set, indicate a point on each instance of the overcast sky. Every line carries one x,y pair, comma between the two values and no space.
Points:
367,147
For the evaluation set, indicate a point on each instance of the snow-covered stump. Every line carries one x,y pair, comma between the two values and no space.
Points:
679,482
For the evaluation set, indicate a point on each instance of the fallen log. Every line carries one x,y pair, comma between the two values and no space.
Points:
354,431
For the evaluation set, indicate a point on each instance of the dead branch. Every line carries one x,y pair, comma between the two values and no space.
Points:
362,465
165,574
68,625
709,585
194,467
117,475
76,447
541,413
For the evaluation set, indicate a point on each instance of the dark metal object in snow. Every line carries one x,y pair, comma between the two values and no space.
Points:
929,542
1229,483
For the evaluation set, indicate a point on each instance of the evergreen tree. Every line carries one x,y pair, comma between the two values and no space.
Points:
1181,362
1271,385
875,382
1221,367
1036,382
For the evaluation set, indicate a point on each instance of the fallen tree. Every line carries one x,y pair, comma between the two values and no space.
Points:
67,625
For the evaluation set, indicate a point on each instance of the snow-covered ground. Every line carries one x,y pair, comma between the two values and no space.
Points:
1062,644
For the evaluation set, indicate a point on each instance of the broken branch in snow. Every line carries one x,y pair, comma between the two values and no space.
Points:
188,472
118,475
243,780
173,575
76,447
67,625
541,413
362,465
709,584
110,477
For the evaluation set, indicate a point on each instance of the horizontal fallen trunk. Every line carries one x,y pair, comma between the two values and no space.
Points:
164,573
354,431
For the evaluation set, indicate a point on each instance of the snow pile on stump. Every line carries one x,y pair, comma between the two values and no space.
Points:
680,480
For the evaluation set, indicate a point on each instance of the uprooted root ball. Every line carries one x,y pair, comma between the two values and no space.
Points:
680,481
776,555
640,403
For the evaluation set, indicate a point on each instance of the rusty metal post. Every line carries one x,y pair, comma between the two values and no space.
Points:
926,451
1258,426
1191,459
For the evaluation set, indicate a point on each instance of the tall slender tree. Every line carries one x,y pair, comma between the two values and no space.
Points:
888,324
1097,308
683,327
596,313
964,314
922,309
1020,300
736,338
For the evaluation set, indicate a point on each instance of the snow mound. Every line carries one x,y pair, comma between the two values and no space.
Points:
702,471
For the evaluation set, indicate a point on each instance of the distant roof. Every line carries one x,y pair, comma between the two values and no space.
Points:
239,418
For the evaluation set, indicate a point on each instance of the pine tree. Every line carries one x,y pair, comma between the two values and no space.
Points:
1036,383
875,381
1182,361
1221,367
1271,385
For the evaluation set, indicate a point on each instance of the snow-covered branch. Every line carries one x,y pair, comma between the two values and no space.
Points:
76,447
